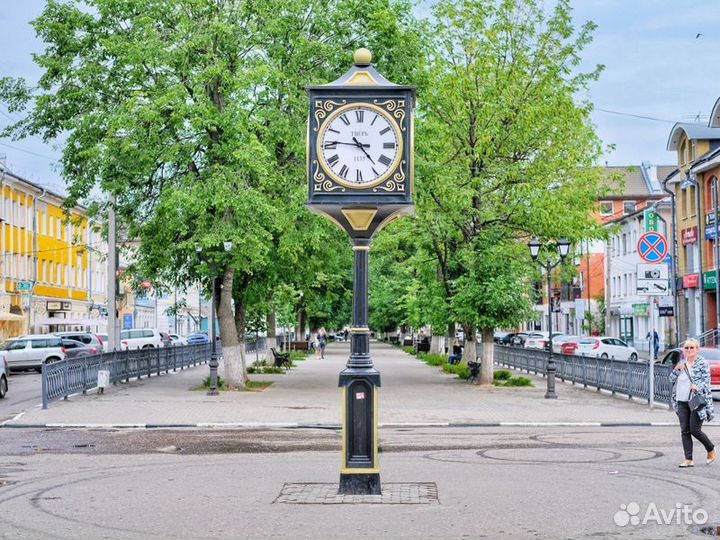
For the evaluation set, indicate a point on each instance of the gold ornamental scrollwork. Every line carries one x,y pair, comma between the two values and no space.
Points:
396,184
396,108
322,183
322,108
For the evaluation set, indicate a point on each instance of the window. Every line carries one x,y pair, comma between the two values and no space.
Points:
16,345
148,333
628,207
624,244
39,343
58,274
49,229
692,199
606,208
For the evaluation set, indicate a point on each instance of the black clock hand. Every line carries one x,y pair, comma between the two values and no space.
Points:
361,147
348,143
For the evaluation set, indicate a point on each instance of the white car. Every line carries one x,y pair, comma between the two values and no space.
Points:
606,347
560,339
32,351
178,340
538,340
141,338
4,372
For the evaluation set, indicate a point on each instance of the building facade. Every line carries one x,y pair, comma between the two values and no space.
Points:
50,263
696,148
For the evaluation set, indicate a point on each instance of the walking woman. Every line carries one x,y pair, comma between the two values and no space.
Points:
322,339
692,375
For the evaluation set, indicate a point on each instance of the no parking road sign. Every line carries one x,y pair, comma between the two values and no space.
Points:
652,247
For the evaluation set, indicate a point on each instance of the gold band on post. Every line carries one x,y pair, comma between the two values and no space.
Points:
361,248
359,329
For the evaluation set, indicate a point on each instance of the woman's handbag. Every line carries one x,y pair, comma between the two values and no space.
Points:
696,401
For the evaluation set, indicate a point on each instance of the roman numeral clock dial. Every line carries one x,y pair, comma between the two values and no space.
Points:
359,145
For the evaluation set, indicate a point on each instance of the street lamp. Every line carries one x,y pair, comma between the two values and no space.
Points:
214,364
563,247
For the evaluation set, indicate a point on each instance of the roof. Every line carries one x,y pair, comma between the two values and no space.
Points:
639,181
692,132
32,184
715,115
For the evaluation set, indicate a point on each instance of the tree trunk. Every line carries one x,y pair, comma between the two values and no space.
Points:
470,350
488,354
233,351
271,337
437,345
300,330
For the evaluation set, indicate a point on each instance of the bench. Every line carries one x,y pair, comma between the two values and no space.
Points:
281,359
422,346
299,346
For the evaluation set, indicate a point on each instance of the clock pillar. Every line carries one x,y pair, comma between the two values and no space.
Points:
360,472
361,208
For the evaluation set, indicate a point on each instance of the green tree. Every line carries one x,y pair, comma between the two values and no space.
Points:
505,152
191,114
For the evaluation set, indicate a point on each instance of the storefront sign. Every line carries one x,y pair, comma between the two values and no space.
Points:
666,311
640,310
689,235
691,281
709,279
54,305
651,220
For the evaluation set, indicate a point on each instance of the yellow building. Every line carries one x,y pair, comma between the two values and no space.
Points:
48,252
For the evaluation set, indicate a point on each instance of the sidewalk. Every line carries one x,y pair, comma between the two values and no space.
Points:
411,393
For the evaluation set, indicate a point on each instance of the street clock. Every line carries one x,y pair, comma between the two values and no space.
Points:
360,149
360,176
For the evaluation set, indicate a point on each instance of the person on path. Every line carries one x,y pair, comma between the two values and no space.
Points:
655,344
322,341
690,375
456,355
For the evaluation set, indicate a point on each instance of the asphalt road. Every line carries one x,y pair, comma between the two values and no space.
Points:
24,391
510,483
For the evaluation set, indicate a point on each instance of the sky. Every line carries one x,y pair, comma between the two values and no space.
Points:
655,67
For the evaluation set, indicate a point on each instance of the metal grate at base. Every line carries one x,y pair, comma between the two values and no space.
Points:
392,493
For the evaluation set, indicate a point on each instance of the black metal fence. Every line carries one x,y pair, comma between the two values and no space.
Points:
617,376
70,376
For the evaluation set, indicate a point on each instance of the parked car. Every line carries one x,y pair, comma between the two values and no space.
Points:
76,349
518,339
200,338
86,338
32,351
105,341
506,339
560,340
178,340
712,355
166,339
141,338
569,347
538,340
4,373
607,347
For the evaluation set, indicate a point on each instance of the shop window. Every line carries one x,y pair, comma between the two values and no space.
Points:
628,207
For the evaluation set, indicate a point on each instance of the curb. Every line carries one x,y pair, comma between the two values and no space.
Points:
298,425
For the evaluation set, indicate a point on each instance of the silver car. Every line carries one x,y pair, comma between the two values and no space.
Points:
31,352
4,372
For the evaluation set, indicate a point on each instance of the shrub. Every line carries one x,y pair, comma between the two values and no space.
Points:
299,355
461,370
409,350
433,359
517,381
502,375
220,382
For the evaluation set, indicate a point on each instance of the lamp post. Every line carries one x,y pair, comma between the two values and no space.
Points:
227,245
563,247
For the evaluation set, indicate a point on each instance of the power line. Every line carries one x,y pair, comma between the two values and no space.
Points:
27,151
639,116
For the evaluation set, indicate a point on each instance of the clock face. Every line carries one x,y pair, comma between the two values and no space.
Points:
359,145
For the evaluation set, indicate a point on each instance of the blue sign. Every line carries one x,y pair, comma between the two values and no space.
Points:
710,232
127,322
652,247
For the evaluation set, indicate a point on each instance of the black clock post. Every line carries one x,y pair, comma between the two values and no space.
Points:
360,176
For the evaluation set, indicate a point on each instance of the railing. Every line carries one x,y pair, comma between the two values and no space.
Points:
709,338
617,376
69,376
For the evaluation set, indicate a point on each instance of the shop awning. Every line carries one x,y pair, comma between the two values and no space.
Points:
11,317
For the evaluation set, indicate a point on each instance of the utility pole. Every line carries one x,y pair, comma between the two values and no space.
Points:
112,278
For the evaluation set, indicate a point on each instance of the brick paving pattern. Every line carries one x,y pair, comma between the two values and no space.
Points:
392,493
